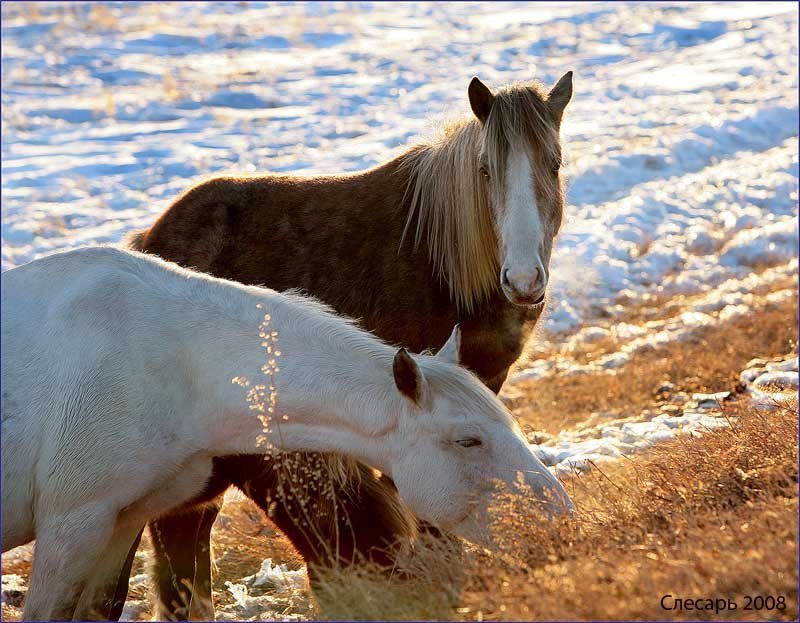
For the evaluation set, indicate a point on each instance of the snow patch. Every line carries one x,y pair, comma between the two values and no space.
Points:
769,384
578,450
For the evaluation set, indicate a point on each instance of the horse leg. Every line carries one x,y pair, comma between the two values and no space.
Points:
201,607
182,564
67,550
350,524
121,591
102,596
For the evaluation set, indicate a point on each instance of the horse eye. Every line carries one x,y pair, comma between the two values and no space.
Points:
484,171
469,442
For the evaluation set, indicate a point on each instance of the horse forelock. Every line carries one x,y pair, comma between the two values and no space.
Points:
450,198
520,118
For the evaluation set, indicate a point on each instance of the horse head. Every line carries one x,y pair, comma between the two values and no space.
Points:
520,162
456,442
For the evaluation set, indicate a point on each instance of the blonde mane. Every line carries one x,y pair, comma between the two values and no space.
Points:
451,199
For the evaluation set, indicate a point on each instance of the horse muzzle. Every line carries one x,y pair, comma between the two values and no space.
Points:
526,290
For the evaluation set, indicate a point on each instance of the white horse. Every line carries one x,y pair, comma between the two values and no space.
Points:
117,393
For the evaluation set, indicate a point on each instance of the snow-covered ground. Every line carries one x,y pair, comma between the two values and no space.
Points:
681,141
767,385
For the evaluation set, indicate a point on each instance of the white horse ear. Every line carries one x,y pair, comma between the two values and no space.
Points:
408,378
451,351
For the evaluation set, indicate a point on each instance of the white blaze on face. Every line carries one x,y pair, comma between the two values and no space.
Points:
522,231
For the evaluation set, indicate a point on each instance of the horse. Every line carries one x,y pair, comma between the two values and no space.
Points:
458,229
124,375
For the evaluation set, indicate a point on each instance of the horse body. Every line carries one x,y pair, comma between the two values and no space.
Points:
271,230
124,387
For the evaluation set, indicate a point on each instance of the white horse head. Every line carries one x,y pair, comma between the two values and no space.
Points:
455,440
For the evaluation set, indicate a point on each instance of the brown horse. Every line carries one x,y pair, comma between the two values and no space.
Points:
459,230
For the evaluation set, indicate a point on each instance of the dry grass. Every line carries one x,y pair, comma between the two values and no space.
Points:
711,517
709,361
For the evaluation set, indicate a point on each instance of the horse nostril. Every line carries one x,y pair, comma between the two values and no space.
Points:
540,278
504,278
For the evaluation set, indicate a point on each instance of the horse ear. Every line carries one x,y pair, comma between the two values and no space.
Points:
560,95
408,377
480,99
451,351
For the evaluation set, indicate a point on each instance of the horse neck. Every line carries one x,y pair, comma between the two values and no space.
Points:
428,208
333,388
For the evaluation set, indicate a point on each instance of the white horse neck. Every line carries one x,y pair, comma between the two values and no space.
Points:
334,389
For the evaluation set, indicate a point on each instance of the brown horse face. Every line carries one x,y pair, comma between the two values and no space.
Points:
521,161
